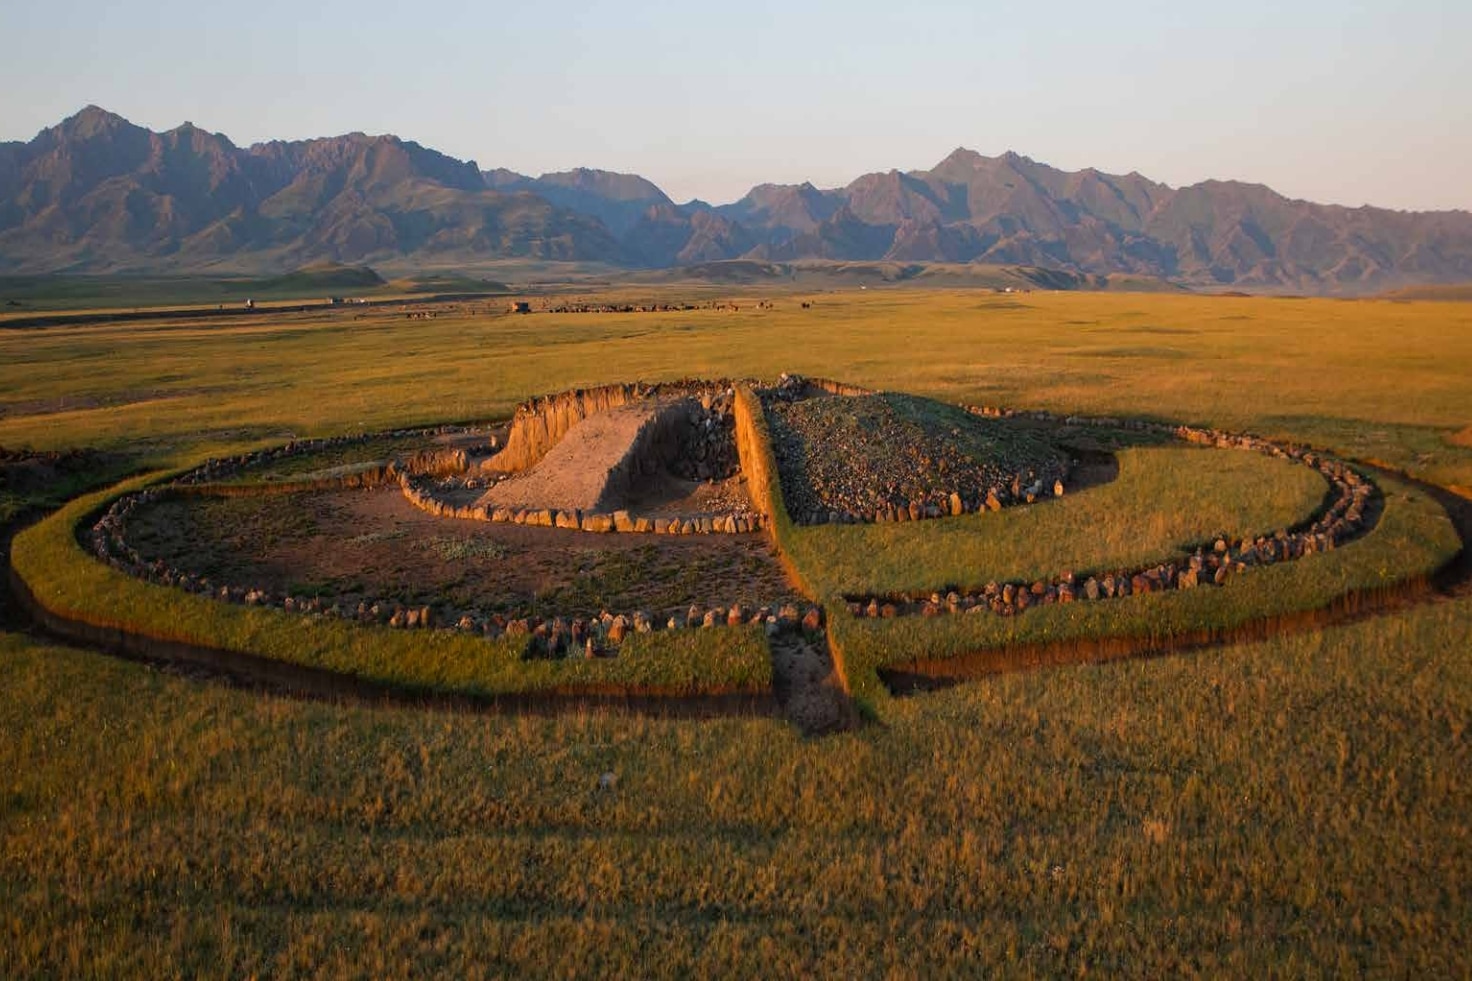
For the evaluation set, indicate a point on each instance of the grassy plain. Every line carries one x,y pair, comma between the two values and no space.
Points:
1368,378
1294,807
21,296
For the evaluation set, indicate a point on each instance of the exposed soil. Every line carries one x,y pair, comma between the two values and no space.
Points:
356,546
574,475
590,469
860,454
667,494
807,684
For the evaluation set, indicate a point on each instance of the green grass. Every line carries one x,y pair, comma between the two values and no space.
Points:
1165,502
70,583
1413,538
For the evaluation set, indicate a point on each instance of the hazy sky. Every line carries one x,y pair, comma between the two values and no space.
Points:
1346,102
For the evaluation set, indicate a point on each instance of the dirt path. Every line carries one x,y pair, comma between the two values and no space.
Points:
807,685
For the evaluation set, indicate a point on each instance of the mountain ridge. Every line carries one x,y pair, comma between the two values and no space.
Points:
97,193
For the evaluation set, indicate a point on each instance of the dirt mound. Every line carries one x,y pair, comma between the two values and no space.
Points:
587,466
864,454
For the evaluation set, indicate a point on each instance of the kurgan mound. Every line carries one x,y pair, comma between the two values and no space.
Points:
880,454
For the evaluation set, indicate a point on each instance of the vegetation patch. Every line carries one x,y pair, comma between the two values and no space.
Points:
1412,540
1165,502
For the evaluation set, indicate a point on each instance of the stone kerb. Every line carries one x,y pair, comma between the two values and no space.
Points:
544,636
1352,511
213,474
418,494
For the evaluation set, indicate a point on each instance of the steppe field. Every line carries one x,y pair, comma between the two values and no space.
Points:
1299,806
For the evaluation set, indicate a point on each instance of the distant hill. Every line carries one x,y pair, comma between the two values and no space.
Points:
97,194
322,277
1451,293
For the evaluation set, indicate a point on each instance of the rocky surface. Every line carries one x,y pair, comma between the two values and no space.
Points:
892,457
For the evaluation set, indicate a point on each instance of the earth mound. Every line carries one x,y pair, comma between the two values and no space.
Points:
882,453
588,466
654,454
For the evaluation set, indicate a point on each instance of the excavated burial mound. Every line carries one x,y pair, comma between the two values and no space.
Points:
604,462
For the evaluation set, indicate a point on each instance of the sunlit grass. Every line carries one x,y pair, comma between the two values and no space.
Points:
1024,824
1165,502
72,584
1413,538
1322,370
1296,807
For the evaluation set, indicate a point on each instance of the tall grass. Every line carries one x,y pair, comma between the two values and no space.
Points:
1413,539
1294,807
1299,806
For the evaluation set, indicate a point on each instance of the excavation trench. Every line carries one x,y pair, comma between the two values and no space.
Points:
807,684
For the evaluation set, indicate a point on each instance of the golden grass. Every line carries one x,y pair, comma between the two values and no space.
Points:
1296,806
1366,378
1027,824
1413,539
1165,502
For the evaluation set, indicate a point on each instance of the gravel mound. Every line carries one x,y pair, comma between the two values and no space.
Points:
857,456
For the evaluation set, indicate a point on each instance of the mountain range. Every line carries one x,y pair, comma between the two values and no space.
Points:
95,193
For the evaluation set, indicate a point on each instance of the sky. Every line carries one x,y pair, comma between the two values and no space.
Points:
1343,102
